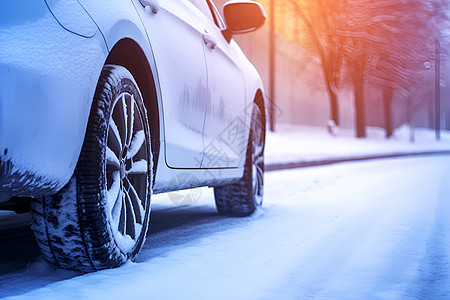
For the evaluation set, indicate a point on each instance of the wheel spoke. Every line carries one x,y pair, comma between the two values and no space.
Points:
118,212
140,184
130,217
138,167
113,191
136,202
121,119
130,118
124,113
114,139
259,160
111,159
259,180
136,144
259,150
259,171
117,207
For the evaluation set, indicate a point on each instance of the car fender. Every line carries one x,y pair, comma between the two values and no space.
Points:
48,78
121,22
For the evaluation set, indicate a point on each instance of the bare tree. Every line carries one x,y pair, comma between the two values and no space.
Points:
383,42
318,19
386,43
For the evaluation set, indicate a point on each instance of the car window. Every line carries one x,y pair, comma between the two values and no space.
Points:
208,8
203,7
217,17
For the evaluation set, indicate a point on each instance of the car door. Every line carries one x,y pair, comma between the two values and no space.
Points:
179,55
225,133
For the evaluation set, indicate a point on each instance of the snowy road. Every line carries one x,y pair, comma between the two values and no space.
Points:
377,229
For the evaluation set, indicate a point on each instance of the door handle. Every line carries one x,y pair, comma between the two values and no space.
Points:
152,4
210,41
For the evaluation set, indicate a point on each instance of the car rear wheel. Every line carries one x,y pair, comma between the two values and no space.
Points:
100,218
245,196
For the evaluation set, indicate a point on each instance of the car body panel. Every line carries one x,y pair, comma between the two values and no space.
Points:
226,131
48,74
46,90
178,52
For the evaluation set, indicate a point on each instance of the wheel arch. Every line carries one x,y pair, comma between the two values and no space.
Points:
127,53
259,100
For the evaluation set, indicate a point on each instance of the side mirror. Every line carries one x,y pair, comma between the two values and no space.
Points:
243,16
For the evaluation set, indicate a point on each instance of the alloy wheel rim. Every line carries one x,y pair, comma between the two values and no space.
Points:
258,160
126,172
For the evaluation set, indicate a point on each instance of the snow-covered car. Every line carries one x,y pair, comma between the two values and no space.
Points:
106,102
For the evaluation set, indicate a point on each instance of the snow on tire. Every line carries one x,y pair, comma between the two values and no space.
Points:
100,218
245,196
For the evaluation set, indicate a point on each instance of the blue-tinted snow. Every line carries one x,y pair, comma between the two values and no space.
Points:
365,230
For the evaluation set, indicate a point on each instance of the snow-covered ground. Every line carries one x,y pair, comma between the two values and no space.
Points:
362,230
293,143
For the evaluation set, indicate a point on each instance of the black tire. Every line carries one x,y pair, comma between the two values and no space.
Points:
100,218
242,198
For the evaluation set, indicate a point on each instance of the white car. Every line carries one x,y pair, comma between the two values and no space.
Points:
106,102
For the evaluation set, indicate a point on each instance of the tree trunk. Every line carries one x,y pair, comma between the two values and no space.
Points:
359,107
326,65
334,113
387,104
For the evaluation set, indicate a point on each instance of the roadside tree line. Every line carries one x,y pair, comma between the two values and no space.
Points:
387,43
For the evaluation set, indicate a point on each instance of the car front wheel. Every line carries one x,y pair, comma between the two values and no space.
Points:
100,218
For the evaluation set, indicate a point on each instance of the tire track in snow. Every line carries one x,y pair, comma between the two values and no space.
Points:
434,278
178,226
